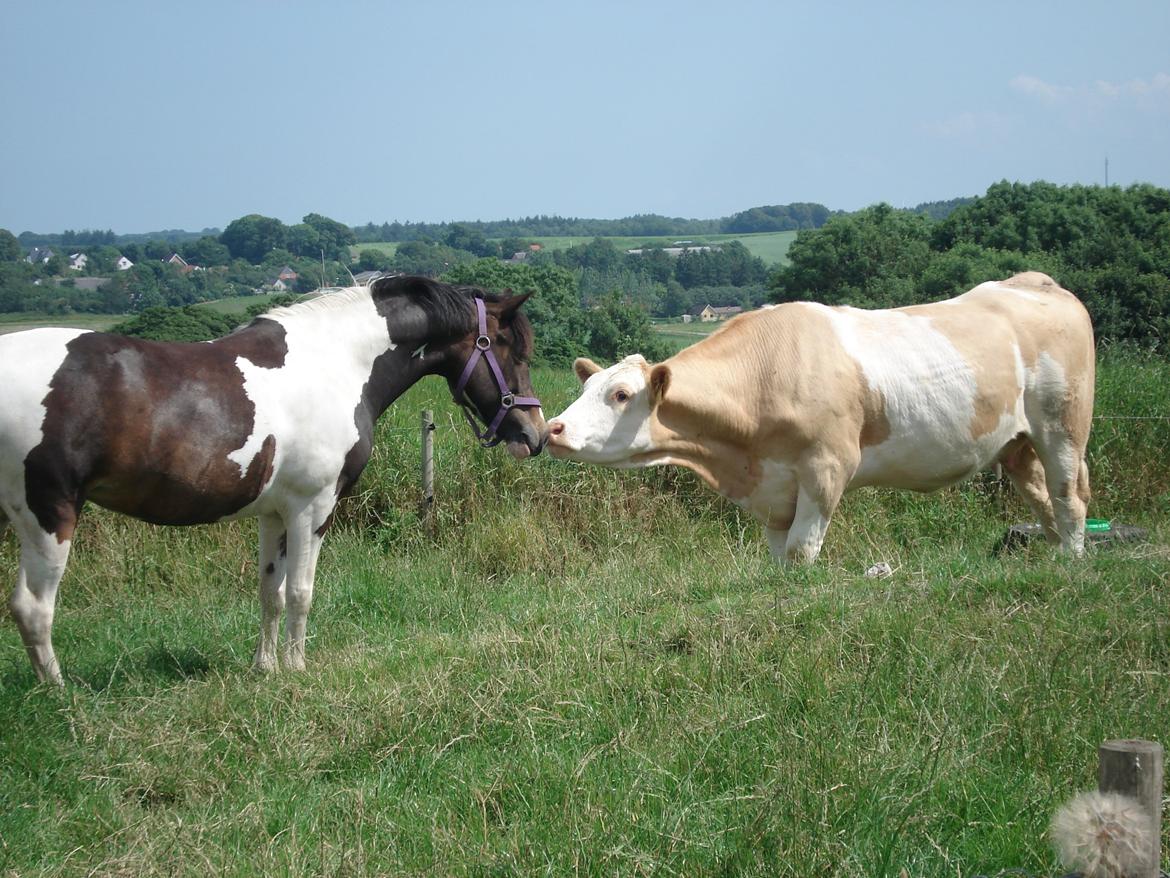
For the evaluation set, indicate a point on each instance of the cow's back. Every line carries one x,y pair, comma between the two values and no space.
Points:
960,379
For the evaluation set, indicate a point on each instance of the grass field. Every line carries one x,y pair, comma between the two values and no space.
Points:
772,247
14,322
17,321
594,672
239,304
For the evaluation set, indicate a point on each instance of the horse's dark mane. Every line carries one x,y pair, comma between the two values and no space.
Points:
449,307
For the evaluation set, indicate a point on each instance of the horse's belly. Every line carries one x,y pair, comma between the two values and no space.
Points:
185,492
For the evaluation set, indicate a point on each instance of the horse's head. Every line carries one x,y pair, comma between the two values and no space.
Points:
492,376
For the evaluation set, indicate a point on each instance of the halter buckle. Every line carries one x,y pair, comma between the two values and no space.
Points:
483,343
507,400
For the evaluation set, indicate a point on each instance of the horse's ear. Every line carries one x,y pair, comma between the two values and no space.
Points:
510,305
584,367
659,383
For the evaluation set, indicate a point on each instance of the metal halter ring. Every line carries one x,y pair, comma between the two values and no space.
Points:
483,342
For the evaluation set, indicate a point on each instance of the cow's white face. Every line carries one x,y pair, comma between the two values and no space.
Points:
610,422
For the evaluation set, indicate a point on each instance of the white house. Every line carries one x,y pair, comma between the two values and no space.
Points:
77,261
123,263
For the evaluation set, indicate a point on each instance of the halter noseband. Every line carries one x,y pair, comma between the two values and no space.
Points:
508,399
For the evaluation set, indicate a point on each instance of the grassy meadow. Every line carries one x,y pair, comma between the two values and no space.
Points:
595,672
772,247
19,320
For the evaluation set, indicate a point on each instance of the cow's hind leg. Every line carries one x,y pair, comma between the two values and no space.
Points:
1067,478
33,602
1023,467
272,554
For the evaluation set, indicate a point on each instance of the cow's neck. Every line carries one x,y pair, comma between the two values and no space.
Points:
705,426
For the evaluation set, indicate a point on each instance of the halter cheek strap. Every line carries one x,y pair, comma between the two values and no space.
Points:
508,399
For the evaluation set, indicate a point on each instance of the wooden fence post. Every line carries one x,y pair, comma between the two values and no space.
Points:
427,506
1134,768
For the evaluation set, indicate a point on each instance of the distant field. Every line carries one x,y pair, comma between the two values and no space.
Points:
238,304
14,322
772,247
684,334
387,247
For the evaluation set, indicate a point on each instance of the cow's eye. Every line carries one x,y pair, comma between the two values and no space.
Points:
620,396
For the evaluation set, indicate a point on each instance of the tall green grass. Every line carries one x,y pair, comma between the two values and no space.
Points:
594,672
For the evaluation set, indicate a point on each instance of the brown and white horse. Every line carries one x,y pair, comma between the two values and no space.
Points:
273,421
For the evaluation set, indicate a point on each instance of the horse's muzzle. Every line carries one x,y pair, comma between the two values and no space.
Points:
529,443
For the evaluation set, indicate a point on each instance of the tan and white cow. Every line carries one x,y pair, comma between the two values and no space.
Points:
784,409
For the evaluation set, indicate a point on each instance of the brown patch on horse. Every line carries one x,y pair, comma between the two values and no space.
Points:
145,428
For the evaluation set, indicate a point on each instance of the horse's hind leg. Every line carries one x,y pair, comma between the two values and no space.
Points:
272,570
42,563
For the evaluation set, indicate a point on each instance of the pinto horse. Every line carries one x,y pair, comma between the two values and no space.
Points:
274,421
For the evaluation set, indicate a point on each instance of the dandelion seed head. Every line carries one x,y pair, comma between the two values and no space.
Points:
1103,835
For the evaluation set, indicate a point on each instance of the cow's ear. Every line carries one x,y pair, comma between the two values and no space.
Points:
659,383
584,367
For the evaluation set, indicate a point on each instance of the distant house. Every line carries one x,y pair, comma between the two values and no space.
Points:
40,254
176,259
123,264
77,261
284,280
710,314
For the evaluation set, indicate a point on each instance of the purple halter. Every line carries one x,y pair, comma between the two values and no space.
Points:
483,348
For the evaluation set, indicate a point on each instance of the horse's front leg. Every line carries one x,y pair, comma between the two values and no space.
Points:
273,551
306,529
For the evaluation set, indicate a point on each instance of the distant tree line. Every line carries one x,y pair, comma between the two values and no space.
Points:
1111,246
759,219
1108,245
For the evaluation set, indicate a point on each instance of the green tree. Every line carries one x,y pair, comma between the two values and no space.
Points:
870,259
618,328
374,260
10,249
333,238
206,251
251,237
190,323
461,237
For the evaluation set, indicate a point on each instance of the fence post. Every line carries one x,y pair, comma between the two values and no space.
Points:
427,506
1134,768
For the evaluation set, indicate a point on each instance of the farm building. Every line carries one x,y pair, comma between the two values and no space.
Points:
712,313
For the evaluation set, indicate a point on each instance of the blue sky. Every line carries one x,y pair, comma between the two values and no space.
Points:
140,116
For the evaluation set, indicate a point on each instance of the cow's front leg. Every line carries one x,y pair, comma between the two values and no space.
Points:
306,529
272,555
821,485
